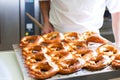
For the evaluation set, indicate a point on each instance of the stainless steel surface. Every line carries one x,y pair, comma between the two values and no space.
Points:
9,23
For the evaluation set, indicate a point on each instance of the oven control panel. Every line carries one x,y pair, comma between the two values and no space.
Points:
29,25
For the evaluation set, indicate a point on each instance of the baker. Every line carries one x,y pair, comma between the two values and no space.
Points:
79,15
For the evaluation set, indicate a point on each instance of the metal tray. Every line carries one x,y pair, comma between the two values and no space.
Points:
82,72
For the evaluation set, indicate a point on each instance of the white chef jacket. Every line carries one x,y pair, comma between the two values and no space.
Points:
80,15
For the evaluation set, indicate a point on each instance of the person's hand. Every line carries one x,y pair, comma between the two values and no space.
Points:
47,28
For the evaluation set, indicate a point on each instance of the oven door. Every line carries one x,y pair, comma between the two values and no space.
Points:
9,23
14,24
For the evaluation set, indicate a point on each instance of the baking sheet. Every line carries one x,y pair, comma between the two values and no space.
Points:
82,72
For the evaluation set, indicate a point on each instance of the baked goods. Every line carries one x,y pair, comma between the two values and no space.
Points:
107,49
31,40
53,53
53,37
72,36
96,39
67,66
43,70
27,39
97,63
116,61
31,50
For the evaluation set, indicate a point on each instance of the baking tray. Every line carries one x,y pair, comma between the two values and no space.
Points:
80,73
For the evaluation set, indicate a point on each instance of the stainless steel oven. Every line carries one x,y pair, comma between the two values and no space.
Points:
14,24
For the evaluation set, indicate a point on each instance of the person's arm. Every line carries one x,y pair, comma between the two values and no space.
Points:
116,27
45,8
